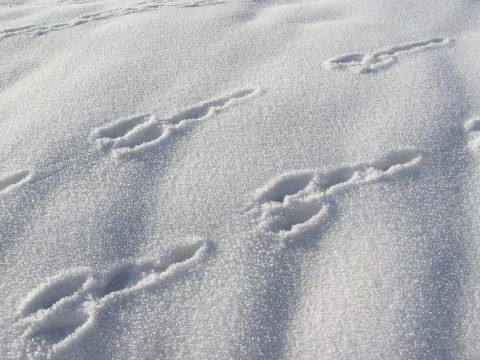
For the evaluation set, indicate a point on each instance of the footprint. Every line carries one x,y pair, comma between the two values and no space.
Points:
381,59
37,30
147,134
206,108
52,292
472,129
52,330
53,313
390,165
71,302
398,160
286,185
14,181
415,46
129,133
145,131
133,277
334,178
121,128
298,215
300,200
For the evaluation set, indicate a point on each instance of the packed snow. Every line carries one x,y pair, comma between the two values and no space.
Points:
239,179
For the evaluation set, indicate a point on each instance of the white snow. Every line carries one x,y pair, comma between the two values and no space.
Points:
203,179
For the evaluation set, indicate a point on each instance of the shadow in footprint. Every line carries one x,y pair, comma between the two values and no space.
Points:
472,125
122,127
286,185
55,329
472,129
49,294
348,59
396,158
14,180
133,276
142,135
336,177
298,215
125,278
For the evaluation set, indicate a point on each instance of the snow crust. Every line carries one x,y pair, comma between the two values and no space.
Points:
223,179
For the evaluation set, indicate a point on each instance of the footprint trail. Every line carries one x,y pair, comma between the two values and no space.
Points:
365,63
37,30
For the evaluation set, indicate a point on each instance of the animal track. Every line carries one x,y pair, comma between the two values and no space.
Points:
50,293
60,310
145,131
14,181
284,186
55,330
298,214
364,63
300,200
131,277
37,30
472,128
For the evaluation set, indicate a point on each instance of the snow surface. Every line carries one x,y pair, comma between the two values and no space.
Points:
234,179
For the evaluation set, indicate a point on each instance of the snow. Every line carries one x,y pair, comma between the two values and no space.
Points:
278,179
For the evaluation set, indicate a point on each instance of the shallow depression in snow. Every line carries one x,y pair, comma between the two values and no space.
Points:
184,179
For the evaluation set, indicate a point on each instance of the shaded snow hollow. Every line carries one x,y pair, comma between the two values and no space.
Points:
206,179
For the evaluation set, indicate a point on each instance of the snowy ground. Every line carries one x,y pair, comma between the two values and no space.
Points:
208,179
